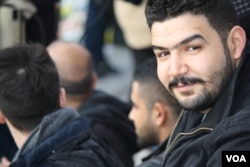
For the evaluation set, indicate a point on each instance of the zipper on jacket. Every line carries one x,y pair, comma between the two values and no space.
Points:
185,134
177,122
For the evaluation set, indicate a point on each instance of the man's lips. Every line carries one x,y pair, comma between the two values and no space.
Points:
183,82
183,87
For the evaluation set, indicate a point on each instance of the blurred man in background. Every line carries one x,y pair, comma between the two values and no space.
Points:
154,112
108,115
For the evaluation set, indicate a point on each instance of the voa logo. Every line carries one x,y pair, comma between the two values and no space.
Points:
236,158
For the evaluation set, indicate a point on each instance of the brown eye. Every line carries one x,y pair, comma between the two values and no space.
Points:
163,54
192,48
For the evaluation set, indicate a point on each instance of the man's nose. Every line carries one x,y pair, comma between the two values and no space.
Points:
177,66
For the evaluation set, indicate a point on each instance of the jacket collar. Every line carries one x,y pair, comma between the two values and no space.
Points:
159,150
49,125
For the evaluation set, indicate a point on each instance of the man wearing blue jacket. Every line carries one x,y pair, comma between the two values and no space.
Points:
203,60
33,106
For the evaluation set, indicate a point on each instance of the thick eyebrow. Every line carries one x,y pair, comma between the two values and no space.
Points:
183,42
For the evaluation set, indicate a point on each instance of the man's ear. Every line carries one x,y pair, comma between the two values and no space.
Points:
236,41
2,118
159,114
94,80
63,101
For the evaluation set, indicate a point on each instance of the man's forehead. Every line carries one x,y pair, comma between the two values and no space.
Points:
172,31
183,21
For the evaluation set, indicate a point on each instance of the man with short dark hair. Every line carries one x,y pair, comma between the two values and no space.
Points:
203,60
154,112
33,106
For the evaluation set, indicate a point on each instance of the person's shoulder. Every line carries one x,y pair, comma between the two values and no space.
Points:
240,119
231,132
101,101
101,151
91,152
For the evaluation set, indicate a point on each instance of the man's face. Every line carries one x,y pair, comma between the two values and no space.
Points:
193,63
142,118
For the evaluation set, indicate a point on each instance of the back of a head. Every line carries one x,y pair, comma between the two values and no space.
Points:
221,14
151,88
29,85
74,64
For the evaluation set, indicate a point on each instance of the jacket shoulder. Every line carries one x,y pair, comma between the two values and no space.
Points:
232,134
89,153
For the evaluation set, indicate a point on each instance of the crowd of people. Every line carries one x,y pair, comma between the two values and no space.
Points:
188,96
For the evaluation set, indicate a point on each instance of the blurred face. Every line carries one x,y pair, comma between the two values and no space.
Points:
142,118
193,63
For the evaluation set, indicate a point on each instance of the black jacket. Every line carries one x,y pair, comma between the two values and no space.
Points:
196,142
108,118
155,159
64,139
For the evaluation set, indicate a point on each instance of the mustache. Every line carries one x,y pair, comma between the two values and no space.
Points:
184,81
